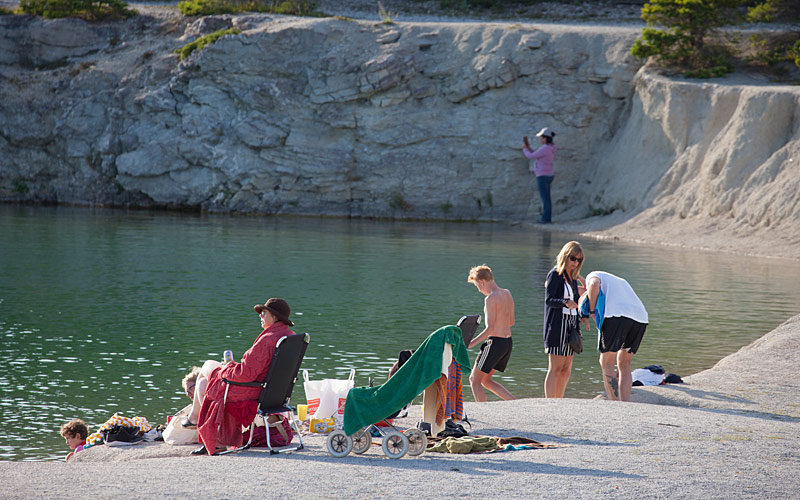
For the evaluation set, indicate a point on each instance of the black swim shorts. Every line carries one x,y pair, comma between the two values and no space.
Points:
621,333
494,355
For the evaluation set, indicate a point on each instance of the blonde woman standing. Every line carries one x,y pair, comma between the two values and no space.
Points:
563,287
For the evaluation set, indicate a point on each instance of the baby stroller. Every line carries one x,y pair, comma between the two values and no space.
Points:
395,443
367,405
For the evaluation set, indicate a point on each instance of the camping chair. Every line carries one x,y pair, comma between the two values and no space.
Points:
469,325
276,390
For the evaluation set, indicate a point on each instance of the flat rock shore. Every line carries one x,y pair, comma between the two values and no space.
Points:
727,432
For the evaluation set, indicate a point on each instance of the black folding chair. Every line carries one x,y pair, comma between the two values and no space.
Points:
276,389
469,325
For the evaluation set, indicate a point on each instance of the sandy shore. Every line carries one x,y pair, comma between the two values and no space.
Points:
728,432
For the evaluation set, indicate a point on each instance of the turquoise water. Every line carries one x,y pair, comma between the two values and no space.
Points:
103,311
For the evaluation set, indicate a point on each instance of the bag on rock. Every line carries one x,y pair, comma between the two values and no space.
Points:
574,338
280,433
326,397
176,434
119,434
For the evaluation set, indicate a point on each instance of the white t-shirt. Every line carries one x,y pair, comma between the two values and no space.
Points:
568,295
621,300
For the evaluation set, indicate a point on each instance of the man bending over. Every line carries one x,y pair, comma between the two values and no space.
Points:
621,320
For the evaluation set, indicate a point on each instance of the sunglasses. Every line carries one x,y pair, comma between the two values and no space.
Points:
576,259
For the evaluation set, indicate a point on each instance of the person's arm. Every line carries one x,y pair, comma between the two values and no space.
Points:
581,285
583,309
254,362
488,313
593,287
511,319
533,155
554,290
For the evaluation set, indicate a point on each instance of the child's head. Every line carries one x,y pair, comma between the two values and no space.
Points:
190,380
74,432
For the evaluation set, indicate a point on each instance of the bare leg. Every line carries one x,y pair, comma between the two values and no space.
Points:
200,389
624,372
558,372
563,377
610,380
496,387
476,382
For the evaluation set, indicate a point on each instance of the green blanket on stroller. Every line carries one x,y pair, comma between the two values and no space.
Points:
368,405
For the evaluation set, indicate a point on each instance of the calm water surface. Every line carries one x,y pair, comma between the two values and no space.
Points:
103,311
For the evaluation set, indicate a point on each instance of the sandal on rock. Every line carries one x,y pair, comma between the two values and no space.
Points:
204,451
187,424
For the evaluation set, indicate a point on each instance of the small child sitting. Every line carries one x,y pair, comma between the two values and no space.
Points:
75,433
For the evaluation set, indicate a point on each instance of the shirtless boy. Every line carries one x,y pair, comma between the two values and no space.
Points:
498,311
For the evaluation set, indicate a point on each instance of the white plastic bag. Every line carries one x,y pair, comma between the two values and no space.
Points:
176,434
326,397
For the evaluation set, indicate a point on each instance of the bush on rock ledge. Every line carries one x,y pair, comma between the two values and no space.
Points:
90,10
201,42
214,7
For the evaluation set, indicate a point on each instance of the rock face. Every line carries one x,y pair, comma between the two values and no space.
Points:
305,115
727,156
342,117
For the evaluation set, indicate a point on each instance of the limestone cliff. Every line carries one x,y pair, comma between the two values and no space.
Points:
307,116
716,157
342,117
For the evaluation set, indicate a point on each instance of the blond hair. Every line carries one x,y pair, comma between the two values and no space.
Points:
480,273
75,427
570,249
190,377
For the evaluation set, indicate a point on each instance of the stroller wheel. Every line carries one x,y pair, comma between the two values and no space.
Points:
362,440
417,441
395,444
339,444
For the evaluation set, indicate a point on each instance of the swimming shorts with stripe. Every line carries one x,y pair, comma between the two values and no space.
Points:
494,355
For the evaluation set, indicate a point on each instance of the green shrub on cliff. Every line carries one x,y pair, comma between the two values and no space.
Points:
205,7
213,7
774,10
794,53
5,12
778,10
91,10
681,37
201,42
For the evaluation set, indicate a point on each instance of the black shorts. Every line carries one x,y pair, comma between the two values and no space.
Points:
621,333
494,355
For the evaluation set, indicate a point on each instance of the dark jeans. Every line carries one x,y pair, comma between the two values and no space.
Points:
544,182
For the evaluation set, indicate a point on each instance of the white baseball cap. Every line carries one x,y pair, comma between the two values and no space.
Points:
546,132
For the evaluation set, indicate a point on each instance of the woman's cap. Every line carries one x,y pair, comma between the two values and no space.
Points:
278,307
546,132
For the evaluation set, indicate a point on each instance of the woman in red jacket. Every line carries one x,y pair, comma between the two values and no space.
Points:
220,420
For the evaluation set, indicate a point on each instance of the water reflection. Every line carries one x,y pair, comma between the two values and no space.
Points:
104,311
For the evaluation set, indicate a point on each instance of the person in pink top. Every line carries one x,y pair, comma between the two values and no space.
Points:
543,167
